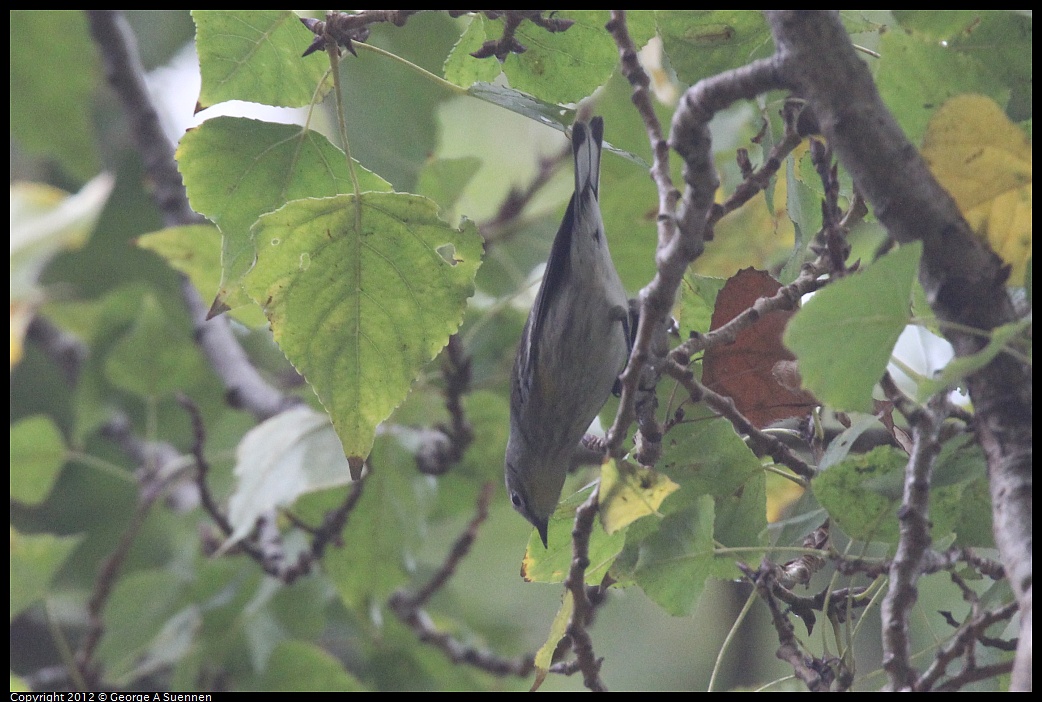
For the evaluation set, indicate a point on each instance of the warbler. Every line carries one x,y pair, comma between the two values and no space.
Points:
573,347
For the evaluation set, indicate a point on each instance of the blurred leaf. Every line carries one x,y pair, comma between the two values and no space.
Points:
293,453
237,169
195,250
938,25
629,492
37,455
360,312
916,76
155,357
444,180
750,237
845,333
45,221
839,448
255,55
301,666
992,37
960,493
34,561
741,518
380,538
702,43
136,611
54,71
175,640
984,161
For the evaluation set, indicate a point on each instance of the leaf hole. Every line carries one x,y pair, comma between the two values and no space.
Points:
448,252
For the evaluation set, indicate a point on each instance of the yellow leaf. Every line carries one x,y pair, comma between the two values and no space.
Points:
629,492
558,628
984,161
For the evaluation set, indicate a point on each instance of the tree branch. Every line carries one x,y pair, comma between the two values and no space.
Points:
964,280
244,386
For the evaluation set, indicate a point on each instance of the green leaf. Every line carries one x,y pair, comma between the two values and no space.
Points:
960,497
707,457
34,561
135,613
550,565
155,357
803,206
938,25
360,311
844,335
962,366
301,666
702,43
992,37
176,639
255,55
54,70
195,250
564,67
674,563
37,454
463,69
917,76
697,300
237,169
291,454
556,67
862,492
741,518
380,537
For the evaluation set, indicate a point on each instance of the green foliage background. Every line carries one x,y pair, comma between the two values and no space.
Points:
208,623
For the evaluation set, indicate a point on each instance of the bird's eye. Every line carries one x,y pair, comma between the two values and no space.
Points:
516,499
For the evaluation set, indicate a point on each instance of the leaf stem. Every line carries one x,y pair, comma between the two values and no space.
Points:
730,636
802,482
334,64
